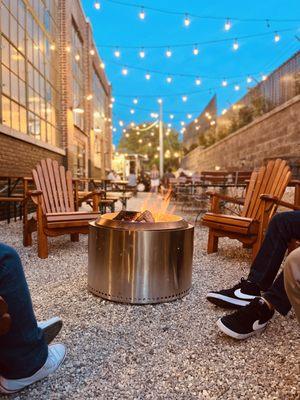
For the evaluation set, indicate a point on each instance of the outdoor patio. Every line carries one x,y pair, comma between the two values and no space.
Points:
168,351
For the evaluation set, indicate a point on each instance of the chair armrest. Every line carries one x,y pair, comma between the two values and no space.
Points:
35,195
275,200
229,199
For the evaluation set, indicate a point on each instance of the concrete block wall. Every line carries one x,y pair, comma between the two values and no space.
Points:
275,134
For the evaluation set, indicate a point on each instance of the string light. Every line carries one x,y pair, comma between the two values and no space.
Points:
127,135
148,76
264,77
97,5
52,47
121,123
102,65
195,51
187,20
92,52
89,97
224,83
169,79
169,53
198,81
135,101
132,111
113,99
235,45
159,101
227,25
224,111
276,37
184,98
77,57
124,71
171,116
142,53
236,87
142,14
189,116
117,53
249,79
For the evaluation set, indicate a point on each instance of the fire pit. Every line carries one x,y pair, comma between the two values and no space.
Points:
134,258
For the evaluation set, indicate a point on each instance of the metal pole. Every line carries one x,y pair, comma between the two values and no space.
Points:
161,141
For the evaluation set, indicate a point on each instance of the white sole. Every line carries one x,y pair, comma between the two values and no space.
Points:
227,299
235,335
4,390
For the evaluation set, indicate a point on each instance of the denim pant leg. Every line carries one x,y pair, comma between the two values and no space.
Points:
282,229
23,350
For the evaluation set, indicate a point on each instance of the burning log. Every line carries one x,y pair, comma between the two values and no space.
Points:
145,216
133,216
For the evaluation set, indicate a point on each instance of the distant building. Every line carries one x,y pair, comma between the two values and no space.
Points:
200,124
54,95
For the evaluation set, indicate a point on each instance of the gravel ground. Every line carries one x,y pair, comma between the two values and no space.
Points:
170,351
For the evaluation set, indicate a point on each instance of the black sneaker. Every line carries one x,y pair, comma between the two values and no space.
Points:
247,321
238,296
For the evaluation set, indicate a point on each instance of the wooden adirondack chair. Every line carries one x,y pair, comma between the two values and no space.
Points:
56,201
266,185
5,320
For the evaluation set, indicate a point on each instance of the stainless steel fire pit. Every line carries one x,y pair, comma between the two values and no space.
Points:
140,263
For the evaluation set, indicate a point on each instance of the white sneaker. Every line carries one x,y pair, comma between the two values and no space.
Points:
56,356
50,328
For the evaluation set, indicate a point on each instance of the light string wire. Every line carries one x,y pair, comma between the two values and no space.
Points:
208,17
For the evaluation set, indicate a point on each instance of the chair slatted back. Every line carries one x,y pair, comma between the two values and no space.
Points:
56,186
271,179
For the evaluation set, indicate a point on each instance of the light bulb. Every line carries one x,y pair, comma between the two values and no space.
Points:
132,111
184,98
113,99
169,79
264,77
235,45
142,14
117,53
142,53
124,71
127,135
195,51
224,83
227,25
97,5
92,52
148,76
121,123
236,87
159,101
182,123
171,116
187,20
169,53
89,97
224,111
249,79
135,101
102,65
276,37
77,57
198,81
189,116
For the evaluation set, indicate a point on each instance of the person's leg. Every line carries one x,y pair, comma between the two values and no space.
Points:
282,229
292,280
23,350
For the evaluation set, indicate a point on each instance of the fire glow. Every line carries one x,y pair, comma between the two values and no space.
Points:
159,207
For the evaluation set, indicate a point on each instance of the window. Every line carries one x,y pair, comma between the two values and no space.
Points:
19,93
78,79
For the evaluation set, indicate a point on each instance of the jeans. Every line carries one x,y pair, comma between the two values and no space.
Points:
282,229
23,350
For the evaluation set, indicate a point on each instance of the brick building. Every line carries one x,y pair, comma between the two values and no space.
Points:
54,95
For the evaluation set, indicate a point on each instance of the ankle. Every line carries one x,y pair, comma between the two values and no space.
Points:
270,305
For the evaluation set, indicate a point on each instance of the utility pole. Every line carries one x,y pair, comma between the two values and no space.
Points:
161,140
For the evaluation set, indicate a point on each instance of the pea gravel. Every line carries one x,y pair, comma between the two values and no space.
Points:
171,351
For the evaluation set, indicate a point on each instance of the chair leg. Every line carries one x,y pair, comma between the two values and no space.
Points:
212,245
42,243
74,237
255,248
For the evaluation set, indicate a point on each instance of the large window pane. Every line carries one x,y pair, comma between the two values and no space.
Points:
6,114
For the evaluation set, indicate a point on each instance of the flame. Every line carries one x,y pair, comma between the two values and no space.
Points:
158,206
